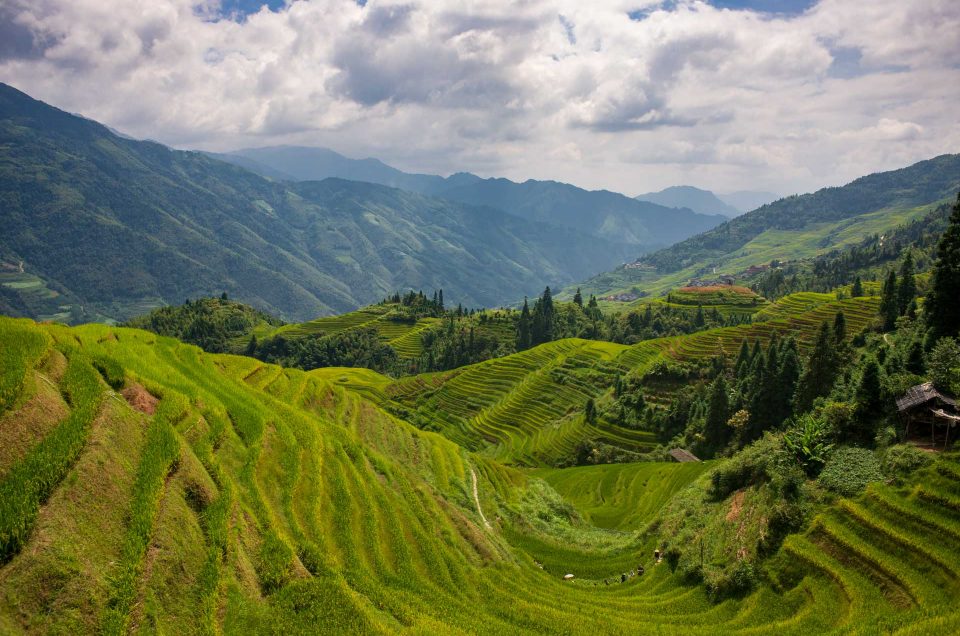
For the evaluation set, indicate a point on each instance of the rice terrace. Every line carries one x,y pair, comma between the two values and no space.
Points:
602,318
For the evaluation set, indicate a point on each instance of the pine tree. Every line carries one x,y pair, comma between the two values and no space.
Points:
915,362
821,369
698,319
440,299
743,361
941,308
857,290
907,288
716,432
840,328
578,299
889,307
789,377
869,405
524,336
590,411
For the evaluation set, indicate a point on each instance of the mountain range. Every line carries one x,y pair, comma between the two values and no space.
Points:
598,213
99,226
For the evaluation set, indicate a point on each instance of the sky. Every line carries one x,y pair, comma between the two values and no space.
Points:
632,96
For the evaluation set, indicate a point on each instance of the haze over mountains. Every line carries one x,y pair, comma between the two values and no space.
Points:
706,202
599,213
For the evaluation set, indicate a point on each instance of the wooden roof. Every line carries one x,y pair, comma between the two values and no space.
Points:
921,394
682,455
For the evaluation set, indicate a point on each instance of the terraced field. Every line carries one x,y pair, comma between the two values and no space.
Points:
527,408
622,496
164,490
403,336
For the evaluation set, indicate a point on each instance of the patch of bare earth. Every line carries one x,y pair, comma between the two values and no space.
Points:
736,505
140,399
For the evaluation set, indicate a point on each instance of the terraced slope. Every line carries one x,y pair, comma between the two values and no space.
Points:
218,494
403,336
527,408
622,496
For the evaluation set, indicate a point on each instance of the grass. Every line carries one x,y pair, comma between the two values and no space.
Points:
264,500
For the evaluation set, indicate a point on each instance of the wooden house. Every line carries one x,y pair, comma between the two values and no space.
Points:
923,407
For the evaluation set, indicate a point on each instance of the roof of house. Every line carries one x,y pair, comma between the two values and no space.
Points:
683,455
921,394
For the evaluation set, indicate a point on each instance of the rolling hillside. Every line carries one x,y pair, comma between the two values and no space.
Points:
796,227
149,487
98,226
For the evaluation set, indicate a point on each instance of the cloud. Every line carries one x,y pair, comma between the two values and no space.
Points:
682,91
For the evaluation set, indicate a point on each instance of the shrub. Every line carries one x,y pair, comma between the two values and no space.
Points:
849,471
748,467
899,462
807,441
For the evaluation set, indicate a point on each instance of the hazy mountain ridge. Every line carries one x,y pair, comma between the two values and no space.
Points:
702,201
600,213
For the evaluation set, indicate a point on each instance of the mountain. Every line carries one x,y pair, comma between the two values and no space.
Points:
702,201
101,227
600,214
301,163
746,200
795,227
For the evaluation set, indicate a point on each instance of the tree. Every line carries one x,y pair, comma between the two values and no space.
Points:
839,328
789,377
224,296
869,404
889,302
716,432
907,287
524,338
743,360
857,290
915,364
698,319
943,364
578,299
590,411
821,369
942,309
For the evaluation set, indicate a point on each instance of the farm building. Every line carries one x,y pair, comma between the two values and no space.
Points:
924,408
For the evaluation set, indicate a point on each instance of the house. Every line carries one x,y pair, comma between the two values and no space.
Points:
924,406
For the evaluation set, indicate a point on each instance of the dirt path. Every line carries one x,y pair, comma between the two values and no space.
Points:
476,499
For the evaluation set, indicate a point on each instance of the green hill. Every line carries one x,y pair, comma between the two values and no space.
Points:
97,226
146,486
793,228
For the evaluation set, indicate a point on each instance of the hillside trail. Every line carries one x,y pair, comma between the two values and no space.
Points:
476,499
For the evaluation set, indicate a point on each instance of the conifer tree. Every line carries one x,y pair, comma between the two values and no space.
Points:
578,299
840,329
743,361
889,307
869,405
907,287
524,337
716,432
821,369
698,319
941,308
590,411
857,290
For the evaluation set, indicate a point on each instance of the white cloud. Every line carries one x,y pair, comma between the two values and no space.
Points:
535,88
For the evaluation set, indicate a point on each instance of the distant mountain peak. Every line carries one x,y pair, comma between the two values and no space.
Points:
693,198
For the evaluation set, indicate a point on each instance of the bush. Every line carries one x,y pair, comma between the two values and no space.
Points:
899,462
849,471
750,466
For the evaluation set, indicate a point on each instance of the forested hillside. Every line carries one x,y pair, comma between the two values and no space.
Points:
98,226
794,228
